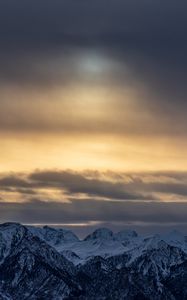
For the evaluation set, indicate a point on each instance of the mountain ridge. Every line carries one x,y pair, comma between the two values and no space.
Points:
49,263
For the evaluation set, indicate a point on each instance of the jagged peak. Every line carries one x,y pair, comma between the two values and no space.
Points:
174,234
125,234
10,224
54,235
100,233
9,229
64,234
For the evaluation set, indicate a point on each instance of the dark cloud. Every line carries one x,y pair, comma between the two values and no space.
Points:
13,181
146,39
131,187
43,20
80,211
96,185
148,34
77,183
72,183
118,199
172,188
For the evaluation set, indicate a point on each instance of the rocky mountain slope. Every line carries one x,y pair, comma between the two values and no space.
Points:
49,263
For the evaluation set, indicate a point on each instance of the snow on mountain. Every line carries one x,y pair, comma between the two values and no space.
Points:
101,233
156,254
176,238
71,256
54,236
103,242
10,235
125,235
30,264
51,263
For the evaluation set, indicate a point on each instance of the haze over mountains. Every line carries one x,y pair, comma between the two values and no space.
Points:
48,263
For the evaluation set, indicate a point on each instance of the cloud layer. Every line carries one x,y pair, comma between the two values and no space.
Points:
107,185
93,85
144,44
68,197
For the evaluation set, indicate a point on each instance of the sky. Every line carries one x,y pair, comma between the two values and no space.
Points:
93,113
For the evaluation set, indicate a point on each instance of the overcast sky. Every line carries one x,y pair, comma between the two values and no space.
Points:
93,113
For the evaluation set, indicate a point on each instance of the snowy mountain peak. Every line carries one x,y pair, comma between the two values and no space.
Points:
125,234
54,236
153,242
10,225
69,236
101,233
63,234
11,232
10,235
50,263
173,235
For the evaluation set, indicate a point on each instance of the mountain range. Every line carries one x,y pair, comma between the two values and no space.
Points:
52,263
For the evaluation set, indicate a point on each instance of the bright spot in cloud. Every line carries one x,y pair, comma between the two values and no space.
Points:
93,63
